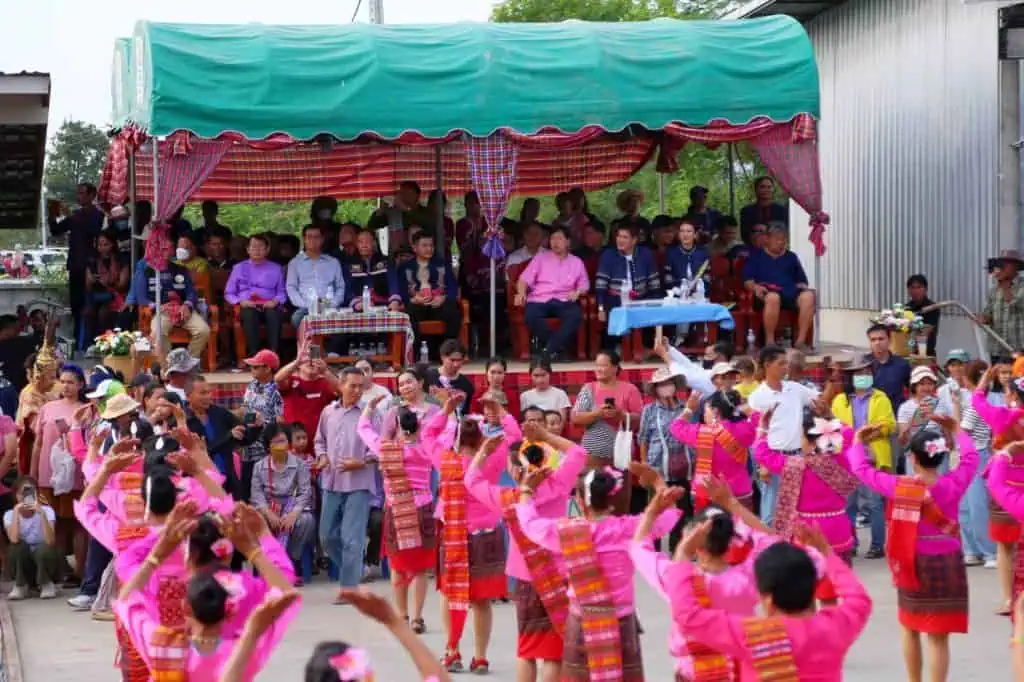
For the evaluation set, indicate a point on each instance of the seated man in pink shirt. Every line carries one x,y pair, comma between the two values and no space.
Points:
555,280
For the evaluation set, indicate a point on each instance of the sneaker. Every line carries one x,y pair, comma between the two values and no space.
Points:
971,560
479,666
48,591
874,553
371,573
452,662
17,593
81,602
863,522
991,563
103,616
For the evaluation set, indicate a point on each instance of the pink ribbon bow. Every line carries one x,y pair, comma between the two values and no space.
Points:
819,221
829,435
353,665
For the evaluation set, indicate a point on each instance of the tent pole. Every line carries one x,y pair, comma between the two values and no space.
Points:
439,235
158,335
732,179
661,193
494,313
131,210
816,341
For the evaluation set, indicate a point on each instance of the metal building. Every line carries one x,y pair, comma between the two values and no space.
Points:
920,120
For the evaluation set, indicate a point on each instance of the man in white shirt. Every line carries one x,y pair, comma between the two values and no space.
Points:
785,432
533,238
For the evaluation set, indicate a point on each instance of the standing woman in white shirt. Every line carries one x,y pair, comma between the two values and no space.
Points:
785,433
543,394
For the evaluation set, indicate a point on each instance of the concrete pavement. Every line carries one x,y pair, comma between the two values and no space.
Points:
58,644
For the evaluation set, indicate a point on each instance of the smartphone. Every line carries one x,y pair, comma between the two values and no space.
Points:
28,495
249,419
609,402
314,352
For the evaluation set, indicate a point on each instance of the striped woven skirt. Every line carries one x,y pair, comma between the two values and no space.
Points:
1002,527
537,637
133,667
487,579
939,605
826,591
574,657
419,559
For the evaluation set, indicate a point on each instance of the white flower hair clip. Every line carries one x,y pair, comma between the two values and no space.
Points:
936,447
829,434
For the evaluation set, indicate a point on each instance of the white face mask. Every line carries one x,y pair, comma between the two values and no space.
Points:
181,254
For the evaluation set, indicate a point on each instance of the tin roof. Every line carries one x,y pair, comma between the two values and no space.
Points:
801,10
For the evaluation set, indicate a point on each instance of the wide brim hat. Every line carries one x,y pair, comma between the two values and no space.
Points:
119,405
857,364
180,361
1011,255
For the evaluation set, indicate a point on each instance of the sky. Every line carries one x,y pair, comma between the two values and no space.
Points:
73,40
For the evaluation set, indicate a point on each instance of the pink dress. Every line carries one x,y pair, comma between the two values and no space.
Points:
819,642
1003,477
141,622
440,434
550,499
46,430
946,492
612,536
414,455
1000,419
819,503
722,463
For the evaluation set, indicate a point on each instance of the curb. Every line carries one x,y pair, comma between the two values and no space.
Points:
10,670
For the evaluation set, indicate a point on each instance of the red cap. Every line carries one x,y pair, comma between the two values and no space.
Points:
265,357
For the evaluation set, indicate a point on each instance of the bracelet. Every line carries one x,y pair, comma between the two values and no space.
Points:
153,560
526,491
255,554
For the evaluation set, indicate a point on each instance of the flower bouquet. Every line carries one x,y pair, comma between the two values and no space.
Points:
901,323
115,346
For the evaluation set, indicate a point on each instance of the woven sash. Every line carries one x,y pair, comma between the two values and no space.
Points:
128,659
770,649
708,665
455,534
601,638
791,484
134,504
127,535
544,576
169,646
911,503
400,496
707,438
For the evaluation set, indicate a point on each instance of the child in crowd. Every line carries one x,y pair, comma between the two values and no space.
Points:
748,382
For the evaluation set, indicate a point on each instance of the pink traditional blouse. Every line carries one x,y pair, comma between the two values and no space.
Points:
141,622
1006,483
550,499
722,463
612,536
414,455
819,504
47,432
440,432
999,418
819,642
946,492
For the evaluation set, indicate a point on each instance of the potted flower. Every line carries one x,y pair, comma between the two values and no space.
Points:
901,323
116,348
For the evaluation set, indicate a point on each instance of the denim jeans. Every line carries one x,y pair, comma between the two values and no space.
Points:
974,515
298,316
568,313
96,559
343,518
769,493
864,496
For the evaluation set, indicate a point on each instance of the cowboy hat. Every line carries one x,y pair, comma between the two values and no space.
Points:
857,364
118,406
1010,255
622,201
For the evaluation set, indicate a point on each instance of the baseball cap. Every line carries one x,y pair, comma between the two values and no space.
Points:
265,357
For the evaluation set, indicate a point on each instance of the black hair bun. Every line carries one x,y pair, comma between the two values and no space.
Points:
919,445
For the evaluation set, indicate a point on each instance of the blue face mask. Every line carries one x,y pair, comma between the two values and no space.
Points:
863,382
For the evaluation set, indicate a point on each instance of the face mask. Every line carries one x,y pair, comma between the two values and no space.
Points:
324,214
666,391
181,254
862,382
279,448
708,364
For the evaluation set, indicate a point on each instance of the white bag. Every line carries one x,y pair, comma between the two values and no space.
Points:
623,453
63,465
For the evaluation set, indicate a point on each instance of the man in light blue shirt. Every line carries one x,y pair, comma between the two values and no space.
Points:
314,270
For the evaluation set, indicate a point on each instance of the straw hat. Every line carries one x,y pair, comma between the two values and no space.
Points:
119,406
627,197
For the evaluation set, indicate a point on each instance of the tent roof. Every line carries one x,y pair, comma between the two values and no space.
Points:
359,79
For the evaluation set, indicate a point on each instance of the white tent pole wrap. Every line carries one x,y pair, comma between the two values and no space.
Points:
158,335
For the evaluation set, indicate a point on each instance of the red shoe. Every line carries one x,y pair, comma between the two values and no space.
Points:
452,662
479,666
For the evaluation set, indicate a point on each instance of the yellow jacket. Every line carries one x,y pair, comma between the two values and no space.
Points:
879,413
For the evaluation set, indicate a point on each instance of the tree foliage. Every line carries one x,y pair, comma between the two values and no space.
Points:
77,153
606,10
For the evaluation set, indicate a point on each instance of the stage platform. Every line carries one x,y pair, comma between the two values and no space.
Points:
229,387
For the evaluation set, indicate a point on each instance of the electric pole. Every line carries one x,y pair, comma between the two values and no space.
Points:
376,11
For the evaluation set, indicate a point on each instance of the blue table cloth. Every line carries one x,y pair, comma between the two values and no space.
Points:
626,318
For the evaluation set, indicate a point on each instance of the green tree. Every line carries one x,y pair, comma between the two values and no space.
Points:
77,153
606,10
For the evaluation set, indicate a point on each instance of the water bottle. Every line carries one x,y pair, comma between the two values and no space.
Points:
381,349
366,299
751,340
424,353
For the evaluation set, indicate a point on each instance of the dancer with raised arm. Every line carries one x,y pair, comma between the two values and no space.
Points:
923,544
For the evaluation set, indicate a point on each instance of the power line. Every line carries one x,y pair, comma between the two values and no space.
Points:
359,3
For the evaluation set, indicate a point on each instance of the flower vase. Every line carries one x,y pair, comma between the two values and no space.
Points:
900,343
119,363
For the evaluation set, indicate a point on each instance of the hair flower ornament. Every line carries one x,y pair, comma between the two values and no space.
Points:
353,665
829,434
589,479
936,447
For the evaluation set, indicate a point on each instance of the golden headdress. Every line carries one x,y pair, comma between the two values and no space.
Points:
46,359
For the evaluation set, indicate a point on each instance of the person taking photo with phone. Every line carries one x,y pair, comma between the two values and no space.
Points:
32,554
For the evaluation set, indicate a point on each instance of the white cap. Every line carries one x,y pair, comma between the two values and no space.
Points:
722,368
920,373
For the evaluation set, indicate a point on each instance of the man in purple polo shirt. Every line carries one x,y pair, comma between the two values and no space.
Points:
555,280
257,285
348,479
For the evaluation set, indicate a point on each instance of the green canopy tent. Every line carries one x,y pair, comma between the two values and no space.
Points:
505,103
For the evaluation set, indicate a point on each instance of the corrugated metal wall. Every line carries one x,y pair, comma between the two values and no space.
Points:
909,148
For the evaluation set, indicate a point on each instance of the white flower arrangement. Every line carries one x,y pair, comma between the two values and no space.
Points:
119,342
899,319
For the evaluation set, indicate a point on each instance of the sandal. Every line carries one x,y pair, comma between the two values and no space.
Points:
418,626
1004,610
479,666
452,662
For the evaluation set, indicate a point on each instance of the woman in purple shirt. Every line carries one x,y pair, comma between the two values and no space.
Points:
257,287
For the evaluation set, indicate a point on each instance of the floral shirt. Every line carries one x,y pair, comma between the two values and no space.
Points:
265,400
